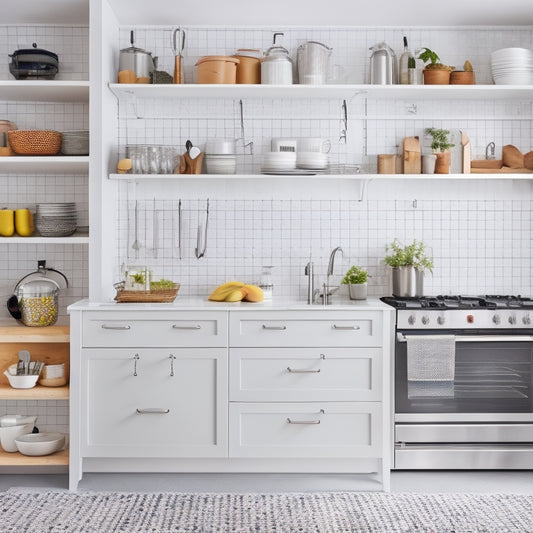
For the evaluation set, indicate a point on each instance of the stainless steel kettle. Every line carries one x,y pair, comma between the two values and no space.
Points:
136,60
383,65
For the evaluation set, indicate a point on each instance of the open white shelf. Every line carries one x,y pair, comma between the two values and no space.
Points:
268,177
44,91
79,237
417,92
67,164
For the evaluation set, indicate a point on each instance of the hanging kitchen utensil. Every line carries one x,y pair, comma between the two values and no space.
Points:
178,44
136,245
155,231
201,236
179,227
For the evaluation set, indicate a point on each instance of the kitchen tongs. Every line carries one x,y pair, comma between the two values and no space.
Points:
178,50
201,240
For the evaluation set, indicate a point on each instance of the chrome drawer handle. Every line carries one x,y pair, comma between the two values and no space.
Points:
297,371
105,326
306,422
174,326
153,411
345,327
274,327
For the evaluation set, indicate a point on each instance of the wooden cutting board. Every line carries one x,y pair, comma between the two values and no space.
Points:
412,160
467,152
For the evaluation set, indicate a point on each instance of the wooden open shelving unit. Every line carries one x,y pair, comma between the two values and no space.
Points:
50,344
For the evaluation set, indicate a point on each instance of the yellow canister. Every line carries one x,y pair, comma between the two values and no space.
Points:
249,67
24,222
7,222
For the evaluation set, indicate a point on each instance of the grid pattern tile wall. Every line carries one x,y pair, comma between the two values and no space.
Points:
52,415
478,246
70,43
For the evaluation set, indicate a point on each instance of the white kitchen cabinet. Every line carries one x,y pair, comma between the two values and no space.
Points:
305,374
154,402
312,429
291,328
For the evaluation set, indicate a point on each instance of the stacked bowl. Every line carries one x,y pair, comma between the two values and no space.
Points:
220,156
512,66
56,219
278,162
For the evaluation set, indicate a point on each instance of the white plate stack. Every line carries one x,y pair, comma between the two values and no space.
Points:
278,162
312,160
512,66
220,156
56,220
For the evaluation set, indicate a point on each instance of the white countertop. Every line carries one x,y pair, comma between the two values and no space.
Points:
197,303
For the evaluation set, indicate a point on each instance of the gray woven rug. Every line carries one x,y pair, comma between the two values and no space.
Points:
332,512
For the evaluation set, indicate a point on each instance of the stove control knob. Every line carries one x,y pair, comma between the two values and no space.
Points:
411,319
441,320
496,319
526,320
425,320
512,319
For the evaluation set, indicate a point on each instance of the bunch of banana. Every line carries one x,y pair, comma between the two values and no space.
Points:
235,291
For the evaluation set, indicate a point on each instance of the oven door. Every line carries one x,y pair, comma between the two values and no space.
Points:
493,380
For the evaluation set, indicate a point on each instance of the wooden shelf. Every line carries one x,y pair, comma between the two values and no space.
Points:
17,459
36,393
61,164
348,92
44,91
50,334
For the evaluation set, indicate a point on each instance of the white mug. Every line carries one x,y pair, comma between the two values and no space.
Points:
283,144
313,144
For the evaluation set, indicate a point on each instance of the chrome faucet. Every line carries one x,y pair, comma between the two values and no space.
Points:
327,288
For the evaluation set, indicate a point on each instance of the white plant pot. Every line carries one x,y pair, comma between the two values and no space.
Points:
358,291
428,163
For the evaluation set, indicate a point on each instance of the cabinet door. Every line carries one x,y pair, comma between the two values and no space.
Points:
310,328
305,374
154,403
154,329
314,429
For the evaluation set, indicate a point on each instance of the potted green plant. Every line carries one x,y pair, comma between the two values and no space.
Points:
408,266
440,146
435,72
356,278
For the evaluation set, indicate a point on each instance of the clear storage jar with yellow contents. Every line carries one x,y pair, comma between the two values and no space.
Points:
38,302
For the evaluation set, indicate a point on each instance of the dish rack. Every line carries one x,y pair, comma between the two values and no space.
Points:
151,296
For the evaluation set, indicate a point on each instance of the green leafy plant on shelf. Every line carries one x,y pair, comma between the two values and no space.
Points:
411,255
355,276
432,60
441,141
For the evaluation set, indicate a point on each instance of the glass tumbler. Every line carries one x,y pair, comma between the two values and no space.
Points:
266,283
153,159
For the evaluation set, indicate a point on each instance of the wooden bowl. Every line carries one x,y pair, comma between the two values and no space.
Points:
461,77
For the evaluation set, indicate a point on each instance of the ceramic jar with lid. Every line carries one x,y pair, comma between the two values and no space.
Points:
217,69
276,68
249,67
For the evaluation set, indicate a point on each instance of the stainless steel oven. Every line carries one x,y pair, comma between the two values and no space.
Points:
474,408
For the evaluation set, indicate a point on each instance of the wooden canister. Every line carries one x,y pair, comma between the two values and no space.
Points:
388,164
217,69
249,67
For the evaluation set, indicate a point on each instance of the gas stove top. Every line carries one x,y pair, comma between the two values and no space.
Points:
460,302
462,312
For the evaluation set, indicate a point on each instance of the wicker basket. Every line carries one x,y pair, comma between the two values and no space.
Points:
159,296
35,142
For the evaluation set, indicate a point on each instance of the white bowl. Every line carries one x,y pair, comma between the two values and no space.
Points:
40,443
21,382
9,434
16,420
220,146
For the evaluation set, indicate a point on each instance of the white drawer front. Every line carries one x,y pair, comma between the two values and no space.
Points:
310,328
137,408
154,329
319,429
305,374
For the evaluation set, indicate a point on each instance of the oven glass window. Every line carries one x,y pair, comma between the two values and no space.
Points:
489,377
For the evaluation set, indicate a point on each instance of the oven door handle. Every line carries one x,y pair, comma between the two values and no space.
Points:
401,337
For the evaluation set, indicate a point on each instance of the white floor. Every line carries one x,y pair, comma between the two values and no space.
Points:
404,481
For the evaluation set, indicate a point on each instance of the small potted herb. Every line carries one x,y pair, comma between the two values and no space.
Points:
408,266
435,72
440,146
356,278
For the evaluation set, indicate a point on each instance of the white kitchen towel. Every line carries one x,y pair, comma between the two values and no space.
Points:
430,366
